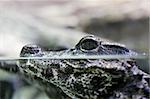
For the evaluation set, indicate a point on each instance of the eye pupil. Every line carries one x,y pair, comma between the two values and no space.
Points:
89,44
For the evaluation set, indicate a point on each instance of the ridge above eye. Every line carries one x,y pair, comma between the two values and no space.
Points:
30,49
87,43
116,49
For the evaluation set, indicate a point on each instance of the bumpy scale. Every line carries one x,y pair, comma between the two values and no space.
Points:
85,78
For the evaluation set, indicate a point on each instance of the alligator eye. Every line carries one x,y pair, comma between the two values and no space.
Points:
87,44
28,50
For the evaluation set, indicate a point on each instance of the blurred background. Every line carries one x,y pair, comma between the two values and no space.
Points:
62,23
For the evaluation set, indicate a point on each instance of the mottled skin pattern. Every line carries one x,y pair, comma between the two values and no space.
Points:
85,78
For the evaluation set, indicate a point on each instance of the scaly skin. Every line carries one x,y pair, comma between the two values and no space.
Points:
85,78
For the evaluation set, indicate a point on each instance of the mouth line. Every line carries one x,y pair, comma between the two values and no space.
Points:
141,56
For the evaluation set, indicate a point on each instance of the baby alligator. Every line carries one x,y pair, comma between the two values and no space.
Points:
85,78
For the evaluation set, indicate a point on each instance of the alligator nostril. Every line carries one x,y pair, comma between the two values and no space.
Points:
28,50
